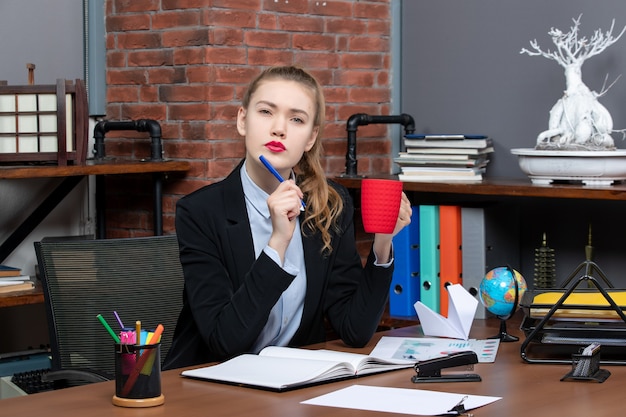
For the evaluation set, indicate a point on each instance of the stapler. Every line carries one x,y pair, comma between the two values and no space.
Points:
430,370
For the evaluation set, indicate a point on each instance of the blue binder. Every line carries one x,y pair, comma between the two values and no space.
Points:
405,284
429,256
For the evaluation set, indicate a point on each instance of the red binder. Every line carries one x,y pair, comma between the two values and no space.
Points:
450,255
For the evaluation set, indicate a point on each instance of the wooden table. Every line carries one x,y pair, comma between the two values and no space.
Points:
526,390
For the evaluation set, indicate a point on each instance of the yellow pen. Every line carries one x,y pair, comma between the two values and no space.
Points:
138,332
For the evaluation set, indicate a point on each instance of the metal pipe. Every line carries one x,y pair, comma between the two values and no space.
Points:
157,179
143,125
362,119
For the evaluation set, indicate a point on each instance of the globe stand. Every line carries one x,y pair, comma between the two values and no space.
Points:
503,335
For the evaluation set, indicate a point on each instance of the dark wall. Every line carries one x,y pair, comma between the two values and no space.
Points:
462,71
50,35
46,33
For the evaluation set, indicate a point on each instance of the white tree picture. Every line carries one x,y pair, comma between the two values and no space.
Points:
577,121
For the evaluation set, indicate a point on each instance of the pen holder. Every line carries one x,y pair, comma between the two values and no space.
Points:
138,376
586,368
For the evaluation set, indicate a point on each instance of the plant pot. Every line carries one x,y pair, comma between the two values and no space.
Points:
592,168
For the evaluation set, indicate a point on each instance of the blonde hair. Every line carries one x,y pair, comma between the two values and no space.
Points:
323,202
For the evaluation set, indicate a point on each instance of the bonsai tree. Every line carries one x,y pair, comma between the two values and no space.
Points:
577,121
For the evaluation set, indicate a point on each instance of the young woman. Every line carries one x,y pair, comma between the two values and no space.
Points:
268,262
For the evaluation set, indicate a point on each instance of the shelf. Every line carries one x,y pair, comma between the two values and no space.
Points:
107,166
506,188
18,298
72,175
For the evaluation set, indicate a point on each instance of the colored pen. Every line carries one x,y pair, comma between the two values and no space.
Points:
117,317
108,328
141,362
156,336
138,332
275,173
127,337
153,338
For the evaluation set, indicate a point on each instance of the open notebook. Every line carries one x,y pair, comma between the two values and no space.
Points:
282,368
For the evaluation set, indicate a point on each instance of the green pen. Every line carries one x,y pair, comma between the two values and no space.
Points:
108,328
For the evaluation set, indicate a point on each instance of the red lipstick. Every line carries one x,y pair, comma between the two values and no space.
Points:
275,146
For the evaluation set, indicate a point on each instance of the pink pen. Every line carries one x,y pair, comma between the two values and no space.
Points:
127,337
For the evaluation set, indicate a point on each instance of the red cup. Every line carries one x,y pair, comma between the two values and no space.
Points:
380,204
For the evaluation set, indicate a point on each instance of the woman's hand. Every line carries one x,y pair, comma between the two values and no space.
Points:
284,205
382,241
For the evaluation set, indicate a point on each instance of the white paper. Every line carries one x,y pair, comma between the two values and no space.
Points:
461,310
7,282
419,349
398,400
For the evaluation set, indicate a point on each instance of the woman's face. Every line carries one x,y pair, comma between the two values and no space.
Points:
279,123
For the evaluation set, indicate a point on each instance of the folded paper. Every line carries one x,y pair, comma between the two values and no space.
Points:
461,310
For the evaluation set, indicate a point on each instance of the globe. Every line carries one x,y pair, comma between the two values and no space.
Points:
497,290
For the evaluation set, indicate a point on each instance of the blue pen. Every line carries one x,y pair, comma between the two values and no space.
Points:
271,169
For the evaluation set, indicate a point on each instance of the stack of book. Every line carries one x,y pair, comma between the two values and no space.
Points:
11,280
444,157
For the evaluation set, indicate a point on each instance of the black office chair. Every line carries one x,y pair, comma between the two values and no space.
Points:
139,278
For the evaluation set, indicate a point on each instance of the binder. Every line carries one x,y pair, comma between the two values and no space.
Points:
429,256
405,283
489,239
450,256
474,252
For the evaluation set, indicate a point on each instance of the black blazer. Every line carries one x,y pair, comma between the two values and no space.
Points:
228,293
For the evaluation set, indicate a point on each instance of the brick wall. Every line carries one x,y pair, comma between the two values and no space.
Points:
186,64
